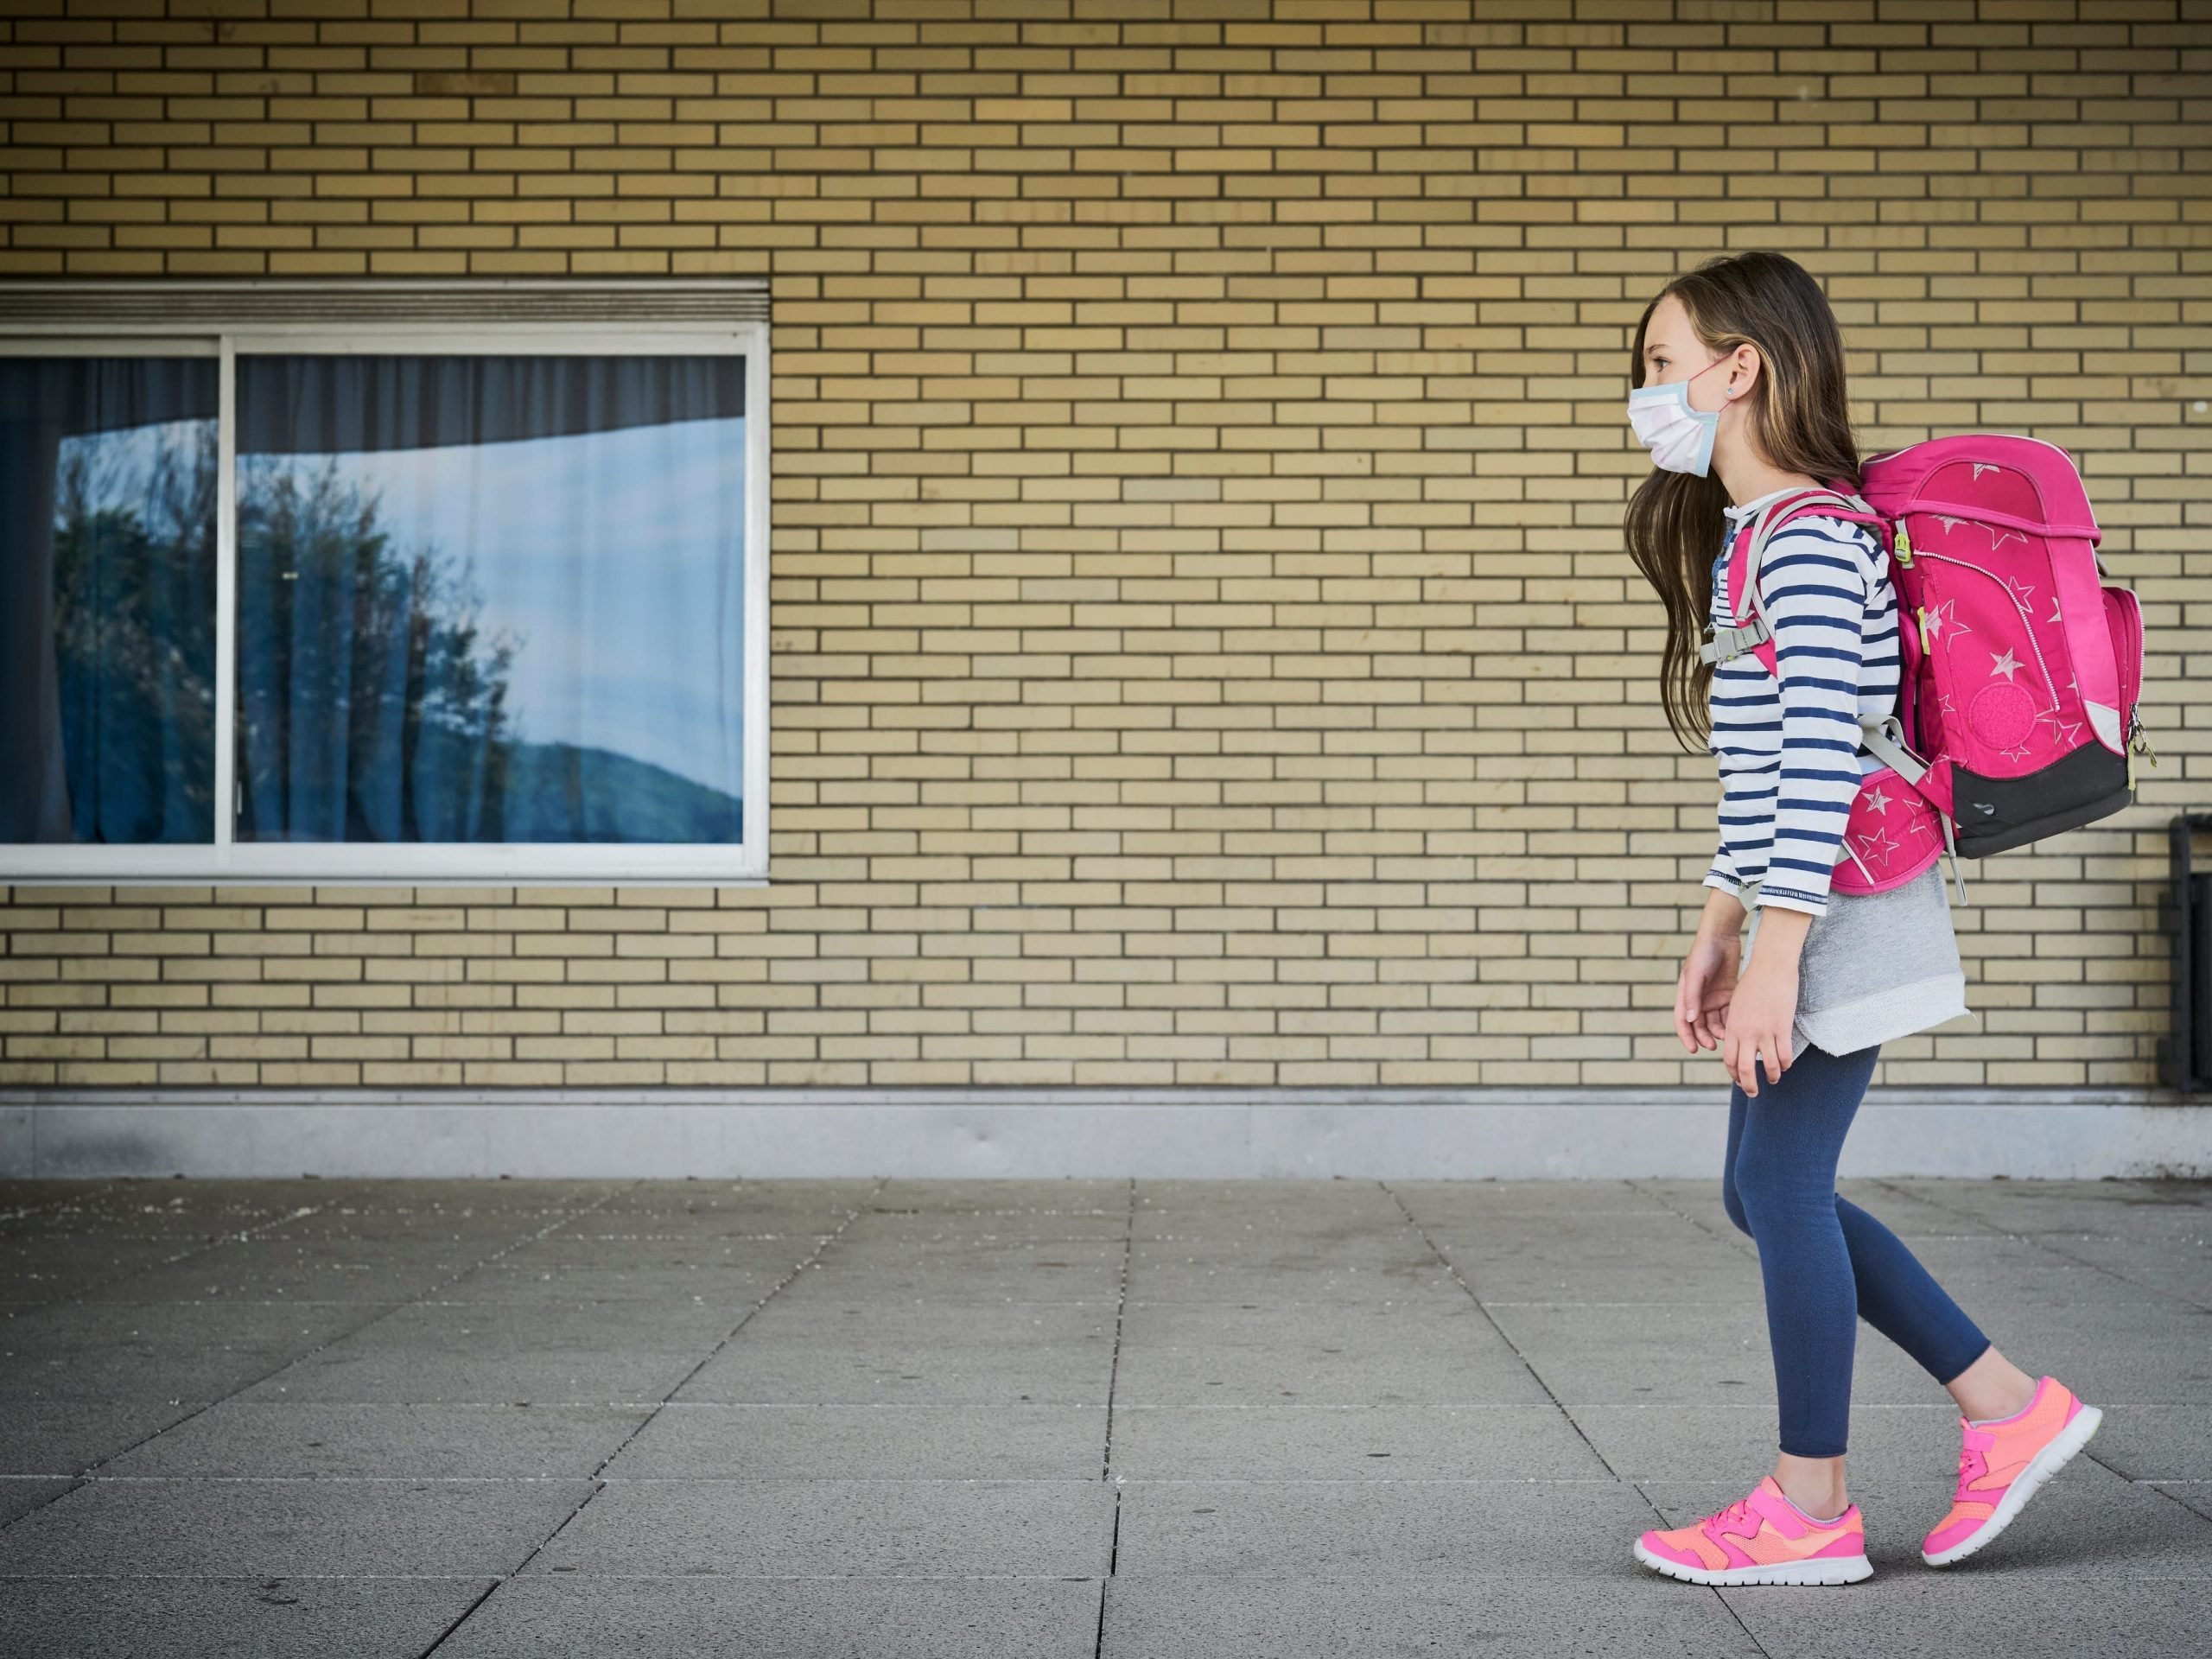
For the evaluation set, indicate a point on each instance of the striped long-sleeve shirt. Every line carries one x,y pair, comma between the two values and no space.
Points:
1787,742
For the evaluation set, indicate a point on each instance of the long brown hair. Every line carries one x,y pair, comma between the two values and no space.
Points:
1801,422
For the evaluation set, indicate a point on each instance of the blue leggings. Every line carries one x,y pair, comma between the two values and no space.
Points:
1825,1261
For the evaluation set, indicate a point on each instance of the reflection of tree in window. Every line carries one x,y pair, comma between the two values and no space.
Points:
372,705
375,705
133,631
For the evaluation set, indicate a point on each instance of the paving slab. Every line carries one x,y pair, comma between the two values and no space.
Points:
343,1528
1653,1262
1267,1617
2179,1267
985,1196
66,1437
1497,1532
839,1352
1111,1225
2150,1209
726,1272
1440,1349
531,1617
279,1439
1353,1443
266,1268
2196,1494
691,1438
2156,1442
252,1617
1288,1275
1904,1615
185,1350
452,1356
20,1494
40,1267
186,1209
974,1264
875,1529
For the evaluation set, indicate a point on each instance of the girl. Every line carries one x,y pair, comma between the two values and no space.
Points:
1740,398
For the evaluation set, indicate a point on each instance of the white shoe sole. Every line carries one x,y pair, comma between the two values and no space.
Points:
2045,1464
1834,1569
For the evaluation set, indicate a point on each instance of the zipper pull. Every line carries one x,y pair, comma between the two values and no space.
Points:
1952,846
2137,744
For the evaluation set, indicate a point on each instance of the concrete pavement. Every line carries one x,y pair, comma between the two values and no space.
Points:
1037,1417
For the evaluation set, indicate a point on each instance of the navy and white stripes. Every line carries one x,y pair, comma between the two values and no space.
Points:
1789,748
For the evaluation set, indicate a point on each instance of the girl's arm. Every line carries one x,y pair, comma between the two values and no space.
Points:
1816,583
1724,915
1815,586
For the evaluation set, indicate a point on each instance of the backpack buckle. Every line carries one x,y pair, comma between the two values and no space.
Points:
1727,644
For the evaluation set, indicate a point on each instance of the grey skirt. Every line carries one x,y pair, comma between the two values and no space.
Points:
1878,966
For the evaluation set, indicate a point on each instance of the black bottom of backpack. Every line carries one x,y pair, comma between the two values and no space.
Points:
1998,814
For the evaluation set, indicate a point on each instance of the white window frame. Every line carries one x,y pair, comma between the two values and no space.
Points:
425,863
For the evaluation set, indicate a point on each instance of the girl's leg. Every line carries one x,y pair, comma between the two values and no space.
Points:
1814,1484
1890,1286
1901,1299
1991,1387
1780,1187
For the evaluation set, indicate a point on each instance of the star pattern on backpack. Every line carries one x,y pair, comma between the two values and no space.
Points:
1879,847
2008,664
1945,615
2067,730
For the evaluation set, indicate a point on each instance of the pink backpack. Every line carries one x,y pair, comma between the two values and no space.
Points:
2016,715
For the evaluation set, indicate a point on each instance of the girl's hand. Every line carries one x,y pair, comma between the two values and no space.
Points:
1703,989
1760,1016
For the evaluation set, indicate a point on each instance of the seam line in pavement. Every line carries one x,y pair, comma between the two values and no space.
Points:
383,1312
1113,1375
2089,1451
1452,1268
822,1242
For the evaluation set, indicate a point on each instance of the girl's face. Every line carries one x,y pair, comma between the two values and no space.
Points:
1673,352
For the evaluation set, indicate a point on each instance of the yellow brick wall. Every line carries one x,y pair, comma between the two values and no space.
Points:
1204,649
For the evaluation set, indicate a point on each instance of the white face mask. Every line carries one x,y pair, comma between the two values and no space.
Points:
1679,437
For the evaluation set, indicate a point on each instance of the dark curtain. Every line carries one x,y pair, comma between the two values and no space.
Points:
107,600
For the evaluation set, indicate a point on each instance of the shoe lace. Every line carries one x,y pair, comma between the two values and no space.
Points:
1973,1465
1738,1518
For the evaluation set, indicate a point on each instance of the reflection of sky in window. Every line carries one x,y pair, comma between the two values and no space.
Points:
119,464
616,560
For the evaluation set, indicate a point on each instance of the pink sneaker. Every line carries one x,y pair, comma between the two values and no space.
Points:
1762,1539
2001,1462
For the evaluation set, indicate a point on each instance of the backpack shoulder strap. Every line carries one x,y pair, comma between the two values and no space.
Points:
1771,518
1748,628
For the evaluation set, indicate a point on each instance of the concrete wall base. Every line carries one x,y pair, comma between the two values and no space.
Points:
1217,1135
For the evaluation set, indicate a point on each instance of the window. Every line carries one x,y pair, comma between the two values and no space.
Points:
375,601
